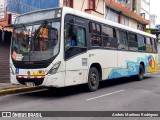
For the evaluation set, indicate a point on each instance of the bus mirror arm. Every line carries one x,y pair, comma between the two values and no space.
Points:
3,32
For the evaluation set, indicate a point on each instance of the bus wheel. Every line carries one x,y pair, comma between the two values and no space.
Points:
140,75
93,79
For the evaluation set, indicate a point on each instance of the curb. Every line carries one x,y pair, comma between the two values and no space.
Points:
19,90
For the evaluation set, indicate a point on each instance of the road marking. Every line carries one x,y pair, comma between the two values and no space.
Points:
105,95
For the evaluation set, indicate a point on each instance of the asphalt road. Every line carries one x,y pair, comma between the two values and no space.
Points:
113,95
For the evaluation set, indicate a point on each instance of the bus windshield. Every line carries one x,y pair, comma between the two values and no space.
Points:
35,42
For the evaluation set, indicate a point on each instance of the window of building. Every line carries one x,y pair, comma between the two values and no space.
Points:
141,43
68,3
125,21
109,37
122,42
148,45
140,27
91,4
112,15
132,42
122,1
95,34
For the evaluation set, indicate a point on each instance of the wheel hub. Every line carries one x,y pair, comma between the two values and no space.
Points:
93,79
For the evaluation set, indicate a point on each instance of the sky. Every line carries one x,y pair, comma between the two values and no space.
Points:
155,9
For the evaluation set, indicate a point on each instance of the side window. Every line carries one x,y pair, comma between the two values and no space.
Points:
154,45
95,28
141,43
74,36
132,42
95,34
122,42
148,45
81,37
109,37
68,35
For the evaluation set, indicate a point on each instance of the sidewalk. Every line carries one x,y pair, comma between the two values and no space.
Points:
8,88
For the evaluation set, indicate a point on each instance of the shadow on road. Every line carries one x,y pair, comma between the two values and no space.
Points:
78,89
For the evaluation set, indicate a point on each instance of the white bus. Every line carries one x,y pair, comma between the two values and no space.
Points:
64,47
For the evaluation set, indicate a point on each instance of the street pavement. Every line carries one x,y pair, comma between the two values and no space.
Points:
113,95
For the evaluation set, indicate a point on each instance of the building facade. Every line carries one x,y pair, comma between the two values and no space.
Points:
132,13
152,21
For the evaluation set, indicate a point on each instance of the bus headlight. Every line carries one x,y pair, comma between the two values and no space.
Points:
54,69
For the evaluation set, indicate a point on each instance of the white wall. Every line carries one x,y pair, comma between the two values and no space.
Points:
132,23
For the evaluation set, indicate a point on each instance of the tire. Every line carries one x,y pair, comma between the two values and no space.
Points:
93,80
140,75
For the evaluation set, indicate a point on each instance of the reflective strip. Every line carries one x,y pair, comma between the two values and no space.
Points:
30,77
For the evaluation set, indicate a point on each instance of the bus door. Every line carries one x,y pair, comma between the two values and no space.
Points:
75,50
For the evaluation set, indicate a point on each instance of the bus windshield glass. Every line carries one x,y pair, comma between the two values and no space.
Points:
35,42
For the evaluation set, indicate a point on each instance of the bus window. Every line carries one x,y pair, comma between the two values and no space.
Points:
95,36
141,43
96,40
109,37
148,45
69,36
154,46
122,43
74,36
132,42
95,28
81,37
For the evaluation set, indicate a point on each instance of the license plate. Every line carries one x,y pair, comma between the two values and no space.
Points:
31,84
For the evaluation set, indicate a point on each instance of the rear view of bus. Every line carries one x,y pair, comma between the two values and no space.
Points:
35,49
